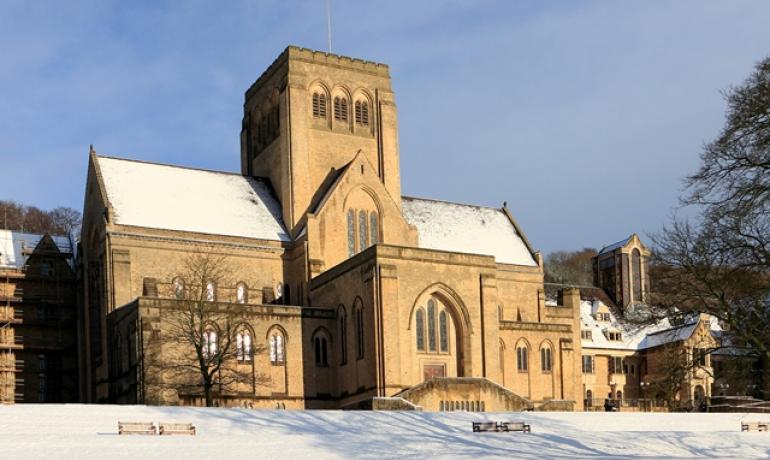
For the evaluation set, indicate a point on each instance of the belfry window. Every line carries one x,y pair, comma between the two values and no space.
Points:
340,109
319,105
351,233
362,113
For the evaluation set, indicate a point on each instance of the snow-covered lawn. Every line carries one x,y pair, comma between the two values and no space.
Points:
90,431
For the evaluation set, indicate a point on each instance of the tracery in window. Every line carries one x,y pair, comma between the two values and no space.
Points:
362,231
374,228
431,325
351,233
443,333
420,329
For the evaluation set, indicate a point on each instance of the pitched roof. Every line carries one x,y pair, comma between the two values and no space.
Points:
463,228
193,200
16,247
614,246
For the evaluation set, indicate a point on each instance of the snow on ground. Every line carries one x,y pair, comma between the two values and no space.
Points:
90,431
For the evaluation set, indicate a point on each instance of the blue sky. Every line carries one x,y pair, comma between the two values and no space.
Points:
583,116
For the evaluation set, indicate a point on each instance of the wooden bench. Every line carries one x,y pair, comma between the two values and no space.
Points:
136,428
484,426
754,426
514,426
177,428
501,426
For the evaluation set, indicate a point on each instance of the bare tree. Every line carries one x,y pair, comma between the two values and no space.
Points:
720,263
570,267
60,221
202,346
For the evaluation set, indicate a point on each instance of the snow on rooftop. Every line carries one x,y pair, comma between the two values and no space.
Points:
191,200
80,431
614,246
16,247
463,228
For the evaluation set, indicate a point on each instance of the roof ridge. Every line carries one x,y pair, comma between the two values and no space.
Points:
407,197
191,168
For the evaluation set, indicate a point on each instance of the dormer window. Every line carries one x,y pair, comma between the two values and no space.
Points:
586,335
603,317
614,336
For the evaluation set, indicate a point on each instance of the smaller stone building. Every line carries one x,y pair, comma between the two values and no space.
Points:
620,269
38,334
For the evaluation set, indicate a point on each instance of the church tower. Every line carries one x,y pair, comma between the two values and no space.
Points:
306,118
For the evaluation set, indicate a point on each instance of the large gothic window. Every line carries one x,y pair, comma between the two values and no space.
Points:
420,329
636,266
362,233
351,233
374,228
443,333
431,325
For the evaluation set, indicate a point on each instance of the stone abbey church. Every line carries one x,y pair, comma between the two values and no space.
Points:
347,293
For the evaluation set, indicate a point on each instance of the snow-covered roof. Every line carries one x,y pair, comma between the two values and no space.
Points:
614,246
16,247
192,200
469,229
633,337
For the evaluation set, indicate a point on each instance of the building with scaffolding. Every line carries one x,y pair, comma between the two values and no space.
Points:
38,316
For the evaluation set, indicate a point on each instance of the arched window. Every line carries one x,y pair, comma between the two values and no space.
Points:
178,284
343,338
362,233
521,358
636,266
243,348
351,233
209,346
340,108
241,293
277,348
443,332
419,325
362,113
321,358
210,291
546,363
319,105
431,325
360,332
374,229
